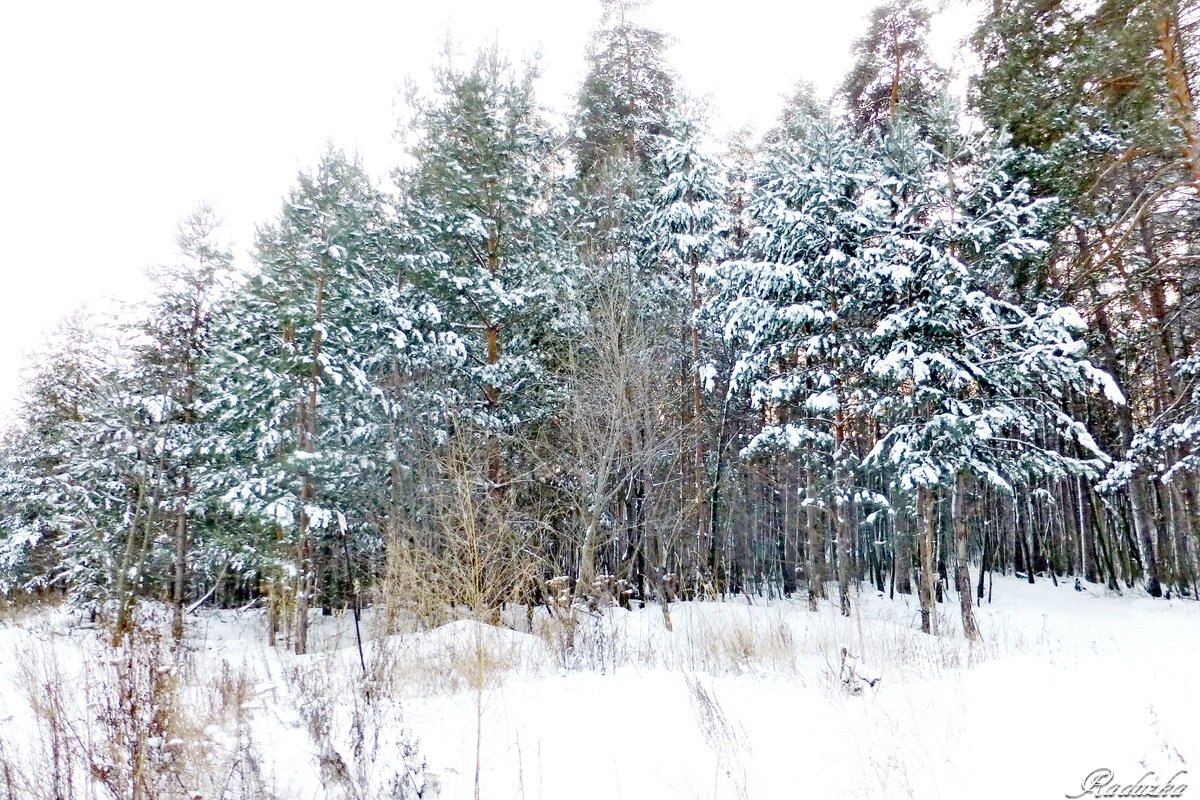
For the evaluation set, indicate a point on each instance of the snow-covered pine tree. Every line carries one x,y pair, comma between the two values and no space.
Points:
163,379
793,307
800,109
972,386
689,226
627,100
303,421
48,527
893,74
120,480
485,194
1097,102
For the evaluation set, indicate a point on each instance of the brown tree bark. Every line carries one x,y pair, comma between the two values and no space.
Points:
181,530
1175,69
490,391
902,541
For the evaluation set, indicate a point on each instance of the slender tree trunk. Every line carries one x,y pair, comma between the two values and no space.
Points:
718,565
962,576
925,552
135,553
194,353
1087,533
816,543
845,536
1139,498
490,391
305,578
903,557
126,564
699,471
181,539
894,97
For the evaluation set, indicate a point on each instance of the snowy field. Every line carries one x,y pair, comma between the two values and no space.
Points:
741,699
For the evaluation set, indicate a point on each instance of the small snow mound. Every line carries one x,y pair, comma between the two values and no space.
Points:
463,642
471,631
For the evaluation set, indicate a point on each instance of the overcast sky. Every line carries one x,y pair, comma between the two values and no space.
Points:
119,117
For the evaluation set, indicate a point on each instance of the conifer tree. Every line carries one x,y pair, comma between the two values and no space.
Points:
689,226
40,504
970,382
627,100
893,74
792,308
1091,98
484,194
167,361
300,412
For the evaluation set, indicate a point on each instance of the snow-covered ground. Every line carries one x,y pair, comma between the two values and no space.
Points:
743,699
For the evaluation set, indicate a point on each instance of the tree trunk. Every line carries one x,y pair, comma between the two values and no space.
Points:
699,472
181,539
903,554
845,536
925,553
491,392
816,543
308,443
962,576
1139,499
1175,69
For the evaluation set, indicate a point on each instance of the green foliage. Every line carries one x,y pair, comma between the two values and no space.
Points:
893,73
628,95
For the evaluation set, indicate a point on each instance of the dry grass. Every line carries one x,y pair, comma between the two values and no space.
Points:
361,746
142,722
18,606
726,738
129,723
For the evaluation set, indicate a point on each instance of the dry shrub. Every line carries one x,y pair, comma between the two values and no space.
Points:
114,730
18,605
467,551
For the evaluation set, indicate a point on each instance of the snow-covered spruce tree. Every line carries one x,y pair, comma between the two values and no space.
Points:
120,482
302,422
485,194
971,387
795,119
795,309
41,506
689,226
116,479
873,335
127,477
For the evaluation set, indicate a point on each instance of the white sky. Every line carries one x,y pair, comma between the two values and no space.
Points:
120,116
